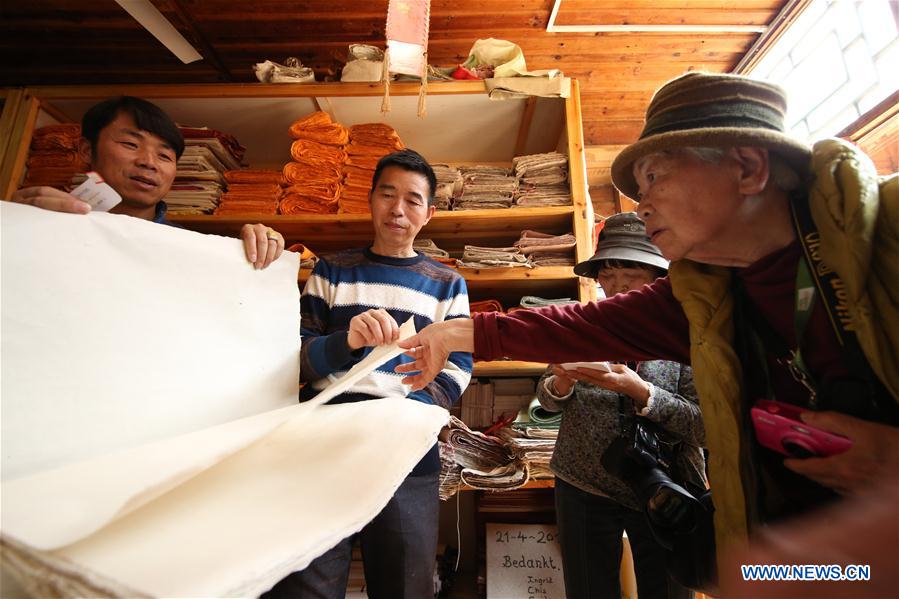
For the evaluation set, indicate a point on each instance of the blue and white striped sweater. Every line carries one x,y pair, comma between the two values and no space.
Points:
347,283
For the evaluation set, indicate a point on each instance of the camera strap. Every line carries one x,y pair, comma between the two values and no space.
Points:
814,279
828,284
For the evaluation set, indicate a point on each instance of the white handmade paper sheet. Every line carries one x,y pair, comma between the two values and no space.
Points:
152,443
117,331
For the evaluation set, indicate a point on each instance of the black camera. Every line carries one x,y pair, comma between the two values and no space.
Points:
642,456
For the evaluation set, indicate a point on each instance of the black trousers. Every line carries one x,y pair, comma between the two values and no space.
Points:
399,548
590,528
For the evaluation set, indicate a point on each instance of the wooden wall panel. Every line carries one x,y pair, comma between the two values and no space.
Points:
45,42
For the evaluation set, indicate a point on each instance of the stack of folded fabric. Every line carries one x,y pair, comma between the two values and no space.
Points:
224,146
369,142
482,461
510,395
475,256
476,404
490,305
251,191
542,180
199,182
199,179
449,186
532,301
54,156
536,416
486,187
532,445
429,248
314,176
543,249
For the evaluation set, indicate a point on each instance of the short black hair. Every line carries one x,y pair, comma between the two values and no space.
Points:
408,160
619,263
147,116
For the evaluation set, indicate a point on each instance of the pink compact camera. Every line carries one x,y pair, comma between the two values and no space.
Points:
778,427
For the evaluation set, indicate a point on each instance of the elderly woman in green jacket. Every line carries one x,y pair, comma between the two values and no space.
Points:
748,216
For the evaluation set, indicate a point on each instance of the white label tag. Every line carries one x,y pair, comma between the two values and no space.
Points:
96,192
804,298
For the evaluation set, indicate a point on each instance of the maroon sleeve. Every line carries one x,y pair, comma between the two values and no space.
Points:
648,324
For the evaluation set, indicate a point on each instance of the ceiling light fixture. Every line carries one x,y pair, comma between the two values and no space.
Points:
152,20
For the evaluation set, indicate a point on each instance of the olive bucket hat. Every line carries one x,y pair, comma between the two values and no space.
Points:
712,110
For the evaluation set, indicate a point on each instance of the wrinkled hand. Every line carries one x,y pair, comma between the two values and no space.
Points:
562,383
621,380
372,327
431,348
49,198
874,453
262,244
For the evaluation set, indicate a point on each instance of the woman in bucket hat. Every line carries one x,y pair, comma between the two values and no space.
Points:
594,506
782,285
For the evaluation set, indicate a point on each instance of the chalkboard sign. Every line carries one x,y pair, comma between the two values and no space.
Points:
524,560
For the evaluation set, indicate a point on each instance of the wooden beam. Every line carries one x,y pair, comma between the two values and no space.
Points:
208,52
255,90
12,102
873,118
55,112
525,127
779,25
19,143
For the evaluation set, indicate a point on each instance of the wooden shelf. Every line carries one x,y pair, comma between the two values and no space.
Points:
508,368
534,483
450,230
509,285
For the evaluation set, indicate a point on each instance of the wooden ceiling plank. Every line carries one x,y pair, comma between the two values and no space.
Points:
656,16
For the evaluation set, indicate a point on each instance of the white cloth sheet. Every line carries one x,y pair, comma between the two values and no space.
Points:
152,443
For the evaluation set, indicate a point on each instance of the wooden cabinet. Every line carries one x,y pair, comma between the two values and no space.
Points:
461,126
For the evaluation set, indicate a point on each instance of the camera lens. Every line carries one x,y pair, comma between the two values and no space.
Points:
797,449
671,509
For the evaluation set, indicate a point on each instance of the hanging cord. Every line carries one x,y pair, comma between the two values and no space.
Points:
423,90
458,534
385,79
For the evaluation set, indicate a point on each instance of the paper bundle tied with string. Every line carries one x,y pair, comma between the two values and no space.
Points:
407,45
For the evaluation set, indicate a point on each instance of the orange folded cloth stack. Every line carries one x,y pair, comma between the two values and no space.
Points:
319,127
305,151
314,176
253,176
311,198
54,157
490,305
369,142
251,191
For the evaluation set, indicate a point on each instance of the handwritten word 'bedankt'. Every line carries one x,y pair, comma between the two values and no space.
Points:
541,561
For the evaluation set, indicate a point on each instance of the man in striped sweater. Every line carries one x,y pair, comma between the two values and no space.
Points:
353,302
